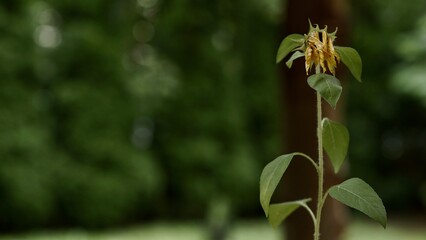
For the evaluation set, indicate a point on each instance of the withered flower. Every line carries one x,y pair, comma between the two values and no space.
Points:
319,50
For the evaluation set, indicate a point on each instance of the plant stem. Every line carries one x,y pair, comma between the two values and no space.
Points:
309,158
310,212
320,171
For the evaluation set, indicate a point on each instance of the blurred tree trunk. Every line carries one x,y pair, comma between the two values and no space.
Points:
300,126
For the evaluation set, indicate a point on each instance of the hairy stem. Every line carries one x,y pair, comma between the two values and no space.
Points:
320,171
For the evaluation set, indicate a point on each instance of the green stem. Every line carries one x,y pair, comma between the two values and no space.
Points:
320,200
310,212
309,158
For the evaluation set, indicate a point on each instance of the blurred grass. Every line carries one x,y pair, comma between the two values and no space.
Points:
401,230
245,230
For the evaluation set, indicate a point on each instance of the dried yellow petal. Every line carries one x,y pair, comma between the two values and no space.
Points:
320,51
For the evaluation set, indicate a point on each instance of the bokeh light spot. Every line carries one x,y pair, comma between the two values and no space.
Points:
47,36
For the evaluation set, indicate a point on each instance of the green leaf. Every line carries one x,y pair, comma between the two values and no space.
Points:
358,194
351,59
289,43
327,85
335,139
270,177
280,211
293,57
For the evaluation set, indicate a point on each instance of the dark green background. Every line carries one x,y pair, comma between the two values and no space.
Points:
118,111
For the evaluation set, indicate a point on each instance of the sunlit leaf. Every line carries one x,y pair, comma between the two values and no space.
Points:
293,57
280,211
328,86
289,43
270,177
351,59
335,139
358,194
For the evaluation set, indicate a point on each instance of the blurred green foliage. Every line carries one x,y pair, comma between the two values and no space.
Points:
67,116
113,111
387,113
119,110
222,117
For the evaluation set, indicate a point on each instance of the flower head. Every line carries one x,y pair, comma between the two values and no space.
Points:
319,50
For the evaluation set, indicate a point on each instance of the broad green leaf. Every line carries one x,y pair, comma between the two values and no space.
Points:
327,85
335,138
280,211
289,43
351,59
358,194
270,177
293,57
